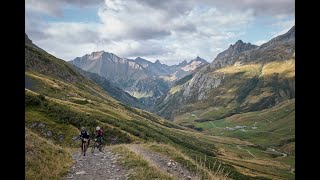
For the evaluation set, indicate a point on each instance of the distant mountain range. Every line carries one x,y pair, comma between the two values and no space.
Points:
139,77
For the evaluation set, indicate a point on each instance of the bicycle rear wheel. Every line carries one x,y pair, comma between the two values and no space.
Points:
93,146
101,148
84,148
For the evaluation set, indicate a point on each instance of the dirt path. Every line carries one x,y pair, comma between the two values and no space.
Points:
273,150
265,118
97,166
213,124
163,163
246,150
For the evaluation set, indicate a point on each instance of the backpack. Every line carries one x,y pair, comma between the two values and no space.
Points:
84,134
100,132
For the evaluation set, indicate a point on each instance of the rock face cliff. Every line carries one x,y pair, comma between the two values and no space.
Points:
112,67
243,78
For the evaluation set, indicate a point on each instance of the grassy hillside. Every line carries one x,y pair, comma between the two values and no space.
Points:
242,88
268,129
44,160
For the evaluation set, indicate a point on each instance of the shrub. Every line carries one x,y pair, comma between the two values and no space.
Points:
32,100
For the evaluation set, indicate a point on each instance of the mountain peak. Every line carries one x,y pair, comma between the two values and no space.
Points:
239,42
99,52
29,42
157,62
26,39
292,30
235,49
183,63
289,36
199,59
142,62
95,54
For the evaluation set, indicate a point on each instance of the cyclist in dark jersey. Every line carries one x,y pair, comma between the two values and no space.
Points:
84,135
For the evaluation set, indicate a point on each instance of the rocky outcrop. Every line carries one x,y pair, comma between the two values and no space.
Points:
28,42
202,83
279,48
236,49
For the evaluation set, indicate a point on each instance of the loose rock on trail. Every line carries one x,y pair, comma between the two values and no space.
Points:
97,166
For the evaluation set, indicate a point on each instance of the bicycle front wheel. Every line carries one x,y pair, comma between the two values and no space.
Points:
84,148
101,148
92,148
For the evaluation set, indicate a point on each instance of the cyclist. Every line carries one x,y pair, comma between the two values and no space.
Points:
84,135
98,138
99,134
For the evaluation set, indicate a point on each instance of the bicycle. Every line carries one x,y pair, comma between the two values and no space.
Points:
97,145
84,146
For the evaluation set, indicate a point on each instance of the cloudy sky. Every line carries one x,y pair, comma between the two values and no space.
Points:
168,30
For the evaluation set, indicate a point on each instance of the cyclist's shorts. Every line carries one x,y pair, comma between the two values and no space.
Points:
99,139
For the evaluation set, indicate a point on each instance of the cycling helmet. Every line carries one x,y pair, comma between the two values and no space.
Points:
97,128
83,129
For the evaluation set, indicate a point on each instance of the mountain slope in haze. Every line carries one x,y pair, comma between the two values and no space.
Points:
174,72
156,68
241,79
185,69
140,78
112,90
124,73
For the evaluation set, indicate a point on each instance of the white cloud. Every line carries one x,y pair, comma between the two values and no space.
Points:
170,31
54,7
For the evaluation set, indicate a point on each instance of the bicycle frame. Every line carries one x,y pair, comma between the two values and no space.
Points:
97,145
83,145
